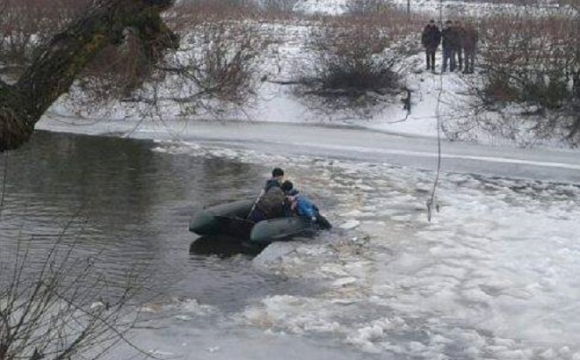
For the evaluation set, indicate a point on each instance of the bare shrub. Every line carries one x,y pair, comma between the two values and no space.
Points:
277,6
59,306
116,73
213,10
27,24
362,7
531,61
526,60
197,11
220,10
215,68
355,63
223,67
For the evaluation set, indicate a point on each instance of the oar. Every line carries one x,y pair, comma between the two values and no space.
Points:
256,202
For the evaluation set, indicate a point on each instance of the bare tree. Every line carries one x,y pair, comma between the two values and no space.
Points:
59,63
26,25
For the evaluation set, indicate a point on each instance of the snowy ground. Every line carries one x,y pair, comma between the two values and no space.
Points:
437,101
441,104
434,8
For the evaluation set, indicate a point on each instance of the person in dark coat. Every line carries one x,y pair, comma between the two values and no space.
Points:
449,42
469,39
275,180
459,30
272,204
430,39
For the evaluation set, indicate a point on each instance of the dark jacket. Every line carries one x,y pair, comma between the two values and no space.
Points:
431,37
271,183
450,38
271,204
469,38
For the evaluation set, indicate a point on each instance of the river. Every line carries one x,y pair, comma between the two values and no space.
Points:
493,275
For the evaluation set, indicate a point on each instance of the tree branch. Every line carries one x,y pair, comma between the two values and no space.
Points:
53,71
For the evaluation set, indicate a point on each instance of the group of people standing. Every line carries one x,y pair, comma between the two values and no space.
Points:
279,199
458,42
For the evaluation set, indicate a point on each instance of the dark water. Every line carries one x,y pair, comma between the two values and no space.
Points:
128,208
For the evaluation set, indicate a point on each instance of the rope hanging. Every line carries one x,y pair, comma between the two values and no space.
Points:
431,201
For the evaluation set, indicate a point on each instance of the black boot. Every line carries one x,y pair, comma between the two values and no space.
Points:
323,222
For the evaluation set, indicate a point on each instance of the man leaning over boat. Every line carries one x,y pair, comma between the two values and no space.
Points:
270,204
285,201
300,205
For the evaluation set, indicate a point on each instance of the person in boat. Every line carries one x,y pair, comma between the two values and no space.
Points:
271,204
275,180
302,206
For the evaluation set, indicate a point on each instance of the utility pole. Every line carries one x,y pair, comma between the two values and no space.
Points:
409,7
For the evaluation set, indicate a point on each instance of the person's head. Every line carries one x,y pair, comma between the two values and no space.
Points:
449,23
293,192
431,22
292,195
287,186
278,174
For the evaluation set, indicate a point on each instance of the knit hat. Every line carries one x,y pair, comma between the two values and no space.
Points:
287,186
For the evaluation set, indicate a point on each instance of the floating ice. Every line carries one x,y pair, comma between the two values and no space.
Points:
351,224
344,281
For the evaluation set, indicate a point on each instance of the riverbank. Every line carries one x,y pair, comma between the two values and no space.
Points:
439,105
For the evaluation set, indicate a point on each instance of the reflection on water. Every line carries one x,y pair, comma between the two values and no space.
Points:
129,206
223,246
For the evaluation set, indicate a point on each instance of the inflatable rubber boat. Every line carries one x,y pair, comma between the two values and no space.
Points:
231,219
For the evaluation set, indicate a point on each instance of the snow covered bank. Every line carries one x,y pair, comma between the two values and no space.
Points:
440,104
442,101
433,8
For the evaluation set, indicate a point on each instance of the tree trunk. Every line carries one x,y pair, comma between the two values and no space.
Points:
59,63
